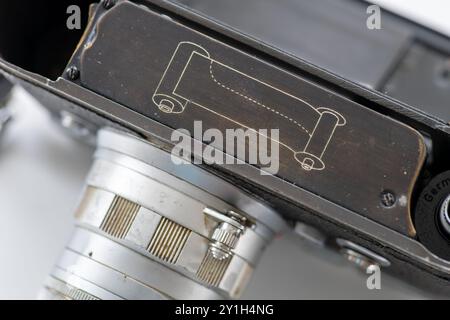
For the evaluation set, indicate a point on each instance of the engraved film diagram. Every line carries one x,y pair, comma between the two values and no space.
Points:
192,70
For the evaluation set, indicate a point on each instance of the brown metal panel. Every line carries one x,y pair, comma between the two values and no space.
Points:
330,145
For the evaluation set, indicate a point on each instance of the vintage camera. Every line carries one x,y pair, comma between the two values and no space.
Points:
363,157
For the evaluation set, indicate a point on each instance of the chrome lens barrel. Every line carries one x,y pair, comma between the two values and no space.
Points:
148,228
5,111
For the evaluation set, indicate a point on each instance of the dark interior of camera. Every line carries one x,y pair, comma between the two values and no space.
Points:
34,34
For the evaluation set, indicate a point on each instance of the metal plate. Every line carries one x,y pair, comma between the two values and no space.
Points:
308,29
330,145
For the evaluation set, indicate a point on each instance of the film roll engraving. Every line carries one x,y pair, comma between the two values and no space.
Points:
192,65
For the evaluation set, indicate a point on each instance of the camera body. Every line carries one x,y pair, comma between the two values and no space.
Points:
366,170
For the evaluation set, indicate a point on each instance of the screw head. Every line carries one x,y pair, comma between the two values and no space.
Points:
73,73
388,199
108,4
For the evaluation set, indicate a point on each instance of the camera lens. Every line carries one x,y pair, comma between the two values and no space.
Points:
148,228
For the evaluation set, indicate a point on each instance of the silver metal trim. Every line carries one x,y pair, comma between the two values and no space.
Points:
138,148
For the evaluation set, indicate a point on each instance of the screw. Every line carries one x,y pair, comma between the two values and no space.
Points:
108,4
73,73
388,199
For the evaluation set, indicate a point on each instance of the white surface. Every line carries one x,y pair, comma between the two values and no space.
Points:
39,170
41,176
432,13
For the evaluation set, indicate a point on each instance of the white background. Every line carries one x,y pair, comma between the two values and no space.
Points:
433,13
41,175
